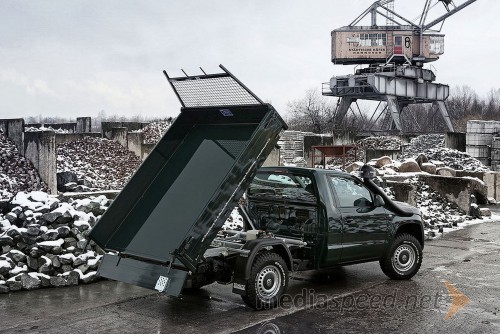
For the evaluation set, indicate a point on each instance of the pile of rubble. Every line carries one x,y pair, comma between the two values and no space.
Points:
16,172
456,159
437,212
422,144
43,243
155,130
94,164
432,147
361,146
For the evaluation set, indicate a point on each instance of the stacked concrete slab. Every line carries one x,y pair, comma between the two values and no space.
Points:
479,139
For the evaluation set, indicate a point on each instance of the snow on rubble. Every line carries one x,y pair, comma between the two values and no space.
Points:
432,146
16,172
97,163
155,130
43,241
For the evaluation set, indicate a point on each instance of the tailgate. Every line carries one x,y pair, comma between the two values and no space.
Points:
183,192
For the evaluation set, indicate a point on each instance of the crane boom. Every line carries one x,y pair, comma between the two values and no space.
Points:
445,16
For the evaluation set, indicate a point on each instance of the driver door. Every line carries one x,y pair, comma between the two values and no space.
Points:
364,226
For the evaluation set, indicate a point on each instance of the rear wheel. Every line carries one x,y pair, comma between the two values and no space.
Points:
403,259
268,281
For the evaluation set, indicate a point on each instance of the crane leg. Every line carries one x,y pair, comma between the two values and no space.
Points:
395,111
444,112
343,108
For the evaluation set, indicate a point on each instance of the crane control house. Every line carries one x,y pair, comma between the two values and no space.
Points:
395,54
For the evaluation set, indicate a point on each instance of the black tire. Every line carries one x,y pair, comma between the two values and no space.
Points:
403,259
268,281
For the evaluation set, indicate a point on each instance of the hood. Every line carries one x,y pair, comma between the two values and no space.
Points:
408,207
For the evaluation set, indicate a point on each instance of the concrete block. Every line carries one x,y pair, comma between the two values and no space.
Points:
14,129
381,162
446,171
40,149
428,168
106,127
119,135
83,124
404,192
409,166
134,143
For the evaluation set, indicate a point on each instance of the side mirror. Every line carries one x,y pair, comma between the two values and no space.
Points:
378,201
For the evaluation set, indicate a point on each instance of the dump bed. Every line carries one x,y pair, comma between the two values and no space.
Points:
181,195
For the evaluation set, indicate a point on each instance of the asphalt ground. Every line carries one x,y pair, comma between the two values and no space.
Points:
457,290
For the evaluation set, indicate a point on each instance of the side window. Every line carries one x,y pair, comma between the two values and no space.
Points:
283,185
351,192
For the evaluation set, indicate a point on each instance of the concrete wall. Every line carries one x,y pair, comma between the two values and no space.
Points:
106,127
457,189
40,149
14,129
273,158
134,143
146,149
83,124
455,140
119,135
375,154
62,138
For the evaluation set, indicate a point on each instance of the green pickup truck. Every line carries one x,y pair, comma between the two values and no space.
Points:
164,230
342,220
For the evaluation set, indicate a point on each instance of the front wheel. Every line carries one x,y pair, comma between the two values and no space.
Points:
403,259
268,281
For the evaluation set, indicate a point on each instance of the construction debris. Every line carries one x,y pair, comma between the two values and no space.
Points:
155,130
98,163
43,242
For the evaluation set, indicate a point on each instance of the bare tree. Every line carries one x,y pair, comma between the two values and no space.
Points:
313,113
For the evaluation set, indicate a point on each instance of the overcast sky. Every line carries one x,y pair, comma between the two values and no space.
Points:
75,58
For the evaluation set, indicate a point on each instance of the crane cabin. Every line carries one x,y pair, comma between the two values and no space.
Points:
352,45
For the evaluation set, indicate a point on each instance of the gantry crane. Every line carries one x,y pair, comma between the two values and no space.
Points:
395,54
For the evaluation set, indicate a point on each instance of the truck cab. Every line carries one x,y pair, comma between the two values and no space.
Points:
342,219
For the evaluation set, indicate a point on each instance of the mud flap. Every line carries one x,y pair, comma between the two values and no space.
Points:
143,274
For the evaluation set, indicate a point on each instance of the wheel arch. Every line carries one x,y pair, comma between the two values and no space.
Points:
243,264
412,228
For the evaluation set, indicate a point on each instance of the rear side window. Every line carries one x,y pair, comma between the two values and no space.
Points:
283,185
351,192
